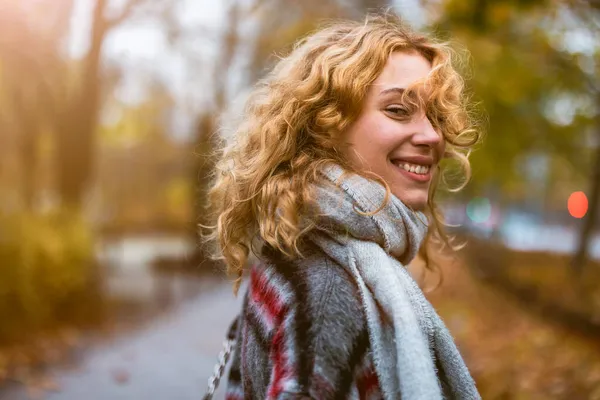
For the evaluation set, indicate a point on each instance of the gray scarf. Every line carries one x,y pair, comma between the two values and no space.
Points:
405,332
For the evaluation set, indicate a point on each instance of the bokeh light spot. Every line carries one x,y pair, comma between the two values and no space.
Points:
479,209
577,204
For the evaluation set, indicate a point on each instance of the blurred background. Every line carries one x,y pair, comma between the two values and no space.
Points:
106,114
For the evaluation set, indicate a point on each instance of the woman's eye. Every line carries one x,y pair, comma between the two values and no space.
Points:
398,111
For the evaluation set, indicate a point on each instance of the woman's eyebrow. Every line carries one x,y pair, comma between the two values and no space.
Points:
396,90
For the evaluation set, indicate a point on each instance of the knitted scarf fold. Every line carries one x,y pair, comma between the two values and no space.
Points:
406,334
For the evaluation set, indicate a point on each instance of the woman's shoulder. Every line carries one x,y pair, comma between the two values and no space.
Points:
311,309
315,285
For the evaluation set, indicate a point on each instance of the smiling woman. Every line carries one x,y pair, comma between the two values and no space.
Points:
396,140
330,182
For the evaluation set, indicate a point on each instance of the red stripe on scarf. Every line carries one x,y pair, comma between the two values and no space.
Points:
265,296
366,382
281,369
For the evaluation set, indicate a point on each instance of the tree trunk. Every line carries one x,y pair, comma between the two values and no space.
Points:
26,129
79,119
29,159
591,217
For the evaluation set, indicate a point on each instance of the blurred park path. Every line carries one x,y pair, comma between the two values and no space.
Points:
170,358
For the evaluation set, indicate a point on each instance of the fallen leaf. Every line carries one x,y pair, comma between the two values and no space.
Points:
121,376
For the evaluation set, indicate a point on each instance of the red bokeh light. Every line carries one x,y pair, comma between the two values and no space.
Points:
577,204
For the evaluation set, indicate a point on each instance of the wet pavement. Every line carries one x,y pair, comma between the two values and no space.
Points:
170,358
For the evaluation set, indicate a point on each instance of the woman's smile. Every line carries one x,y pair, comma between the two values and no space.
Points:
417,173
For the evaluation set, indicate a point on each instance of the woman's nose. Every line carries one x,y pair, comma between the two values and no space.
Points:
425,133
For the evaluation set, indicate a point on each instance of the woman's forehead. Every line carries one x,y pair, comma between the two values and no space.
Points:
401,71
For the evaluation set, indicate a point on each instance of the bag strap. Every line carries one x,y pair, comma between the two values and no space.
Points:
224,355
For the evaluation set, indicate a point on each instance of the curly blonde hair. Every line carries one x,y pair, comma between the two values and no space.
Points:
293,124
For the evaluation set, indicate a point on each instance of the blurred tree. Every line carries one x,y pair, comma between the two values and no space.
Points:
592,216
540,92
77,121
24,95
529,83
55,93
140,166
589,14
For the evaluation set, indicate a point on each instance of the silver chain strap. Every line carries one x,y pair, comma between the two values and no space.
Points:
219,369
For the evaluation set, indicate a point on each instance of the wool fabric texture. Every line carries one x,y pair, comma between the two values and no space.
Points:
375,248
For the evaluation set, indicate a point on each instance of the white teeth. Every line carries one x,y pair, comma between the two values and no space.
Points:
417,169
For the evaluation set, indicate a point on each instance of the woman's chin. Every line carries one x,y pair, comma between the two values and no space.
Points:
416,201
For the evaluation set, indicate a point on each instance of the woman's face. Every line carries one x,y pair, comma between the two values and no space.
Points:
403,150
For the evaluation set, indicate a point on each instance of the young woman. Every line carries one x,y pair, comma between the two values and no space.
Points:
330,181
